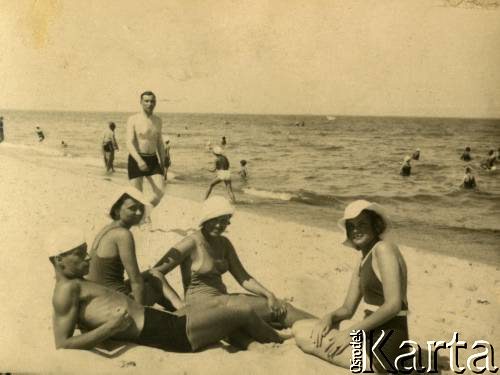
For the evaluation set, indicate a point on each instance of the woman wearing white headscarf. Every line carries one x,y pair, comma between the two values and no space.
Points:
113,253
380,278
206,254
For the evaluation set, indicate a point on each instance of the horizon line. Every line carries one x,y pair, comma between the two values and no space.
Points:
255,114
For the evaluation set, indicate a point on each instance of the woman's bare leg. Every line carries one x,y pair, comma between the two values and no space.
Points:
210,322
259,305
302,334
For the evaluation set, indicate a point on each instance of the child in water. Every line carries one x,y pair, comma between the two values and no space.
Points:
406,167
469,182
243,169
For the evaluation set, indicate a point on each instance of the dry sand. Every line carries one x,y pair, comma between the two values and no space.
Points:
304,264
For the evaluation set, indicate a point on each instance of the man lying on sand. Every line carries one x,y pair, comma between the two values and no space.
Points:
102,313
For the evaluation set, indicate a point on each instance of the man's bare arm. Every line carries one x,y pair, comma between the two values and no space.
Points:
160,145
130,142
66,308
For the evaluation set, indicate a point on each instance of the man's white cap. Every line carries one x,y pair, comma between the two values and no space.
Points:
215,206
407,158
135,194
354,209
217,150
62,239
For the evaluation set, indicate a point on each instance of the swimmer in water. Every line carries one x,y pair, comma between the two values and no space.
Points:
489,162
469,182
416,154
406,167
223,141
40,134
466,154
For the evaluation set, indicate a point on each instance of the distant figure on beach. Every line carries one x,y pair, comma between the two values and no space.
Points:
64,144
105,314
1,130
469,182
40,134
489,162
168,160
416,154
205,255
243,169
146,148
223,173
223,141
113,253
466,156
406,167
109,145
380,279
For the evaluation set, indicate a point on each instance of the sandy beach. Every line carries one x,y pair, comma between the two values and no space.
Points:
304,264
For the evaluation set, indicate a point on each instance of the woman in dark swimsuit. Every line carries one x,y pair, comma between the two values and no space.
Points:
206,254
113,253
380,279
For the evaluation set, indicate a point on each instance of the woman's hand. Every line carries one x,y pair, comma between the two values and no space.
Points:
321,329
277,307
337,341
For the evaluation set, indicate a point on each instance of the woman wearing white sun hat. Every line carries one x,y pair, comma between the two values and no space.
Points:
205,255
380,278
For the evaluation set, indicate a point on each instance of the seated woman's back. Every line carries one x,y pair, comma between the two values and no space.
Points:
106,266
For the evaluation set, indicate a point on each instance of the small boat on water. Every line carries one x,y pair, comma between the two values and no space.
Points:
330,118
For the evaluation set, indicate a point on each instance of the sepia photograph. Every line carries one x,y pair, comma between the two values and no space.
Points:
250,187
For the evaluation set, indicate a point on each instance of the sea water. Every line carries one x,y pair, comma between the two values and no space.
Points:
308,168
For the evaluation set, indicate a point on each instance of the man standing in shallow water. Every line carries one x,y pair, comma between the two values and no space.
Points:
146,148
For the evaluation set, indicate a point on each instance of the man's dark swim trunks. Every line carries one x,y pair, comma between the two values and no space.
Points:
108,147
151,161
165,331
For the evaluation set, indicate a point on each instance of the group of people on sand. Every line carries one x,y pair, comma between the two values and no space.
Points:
468,181
102,291
91,292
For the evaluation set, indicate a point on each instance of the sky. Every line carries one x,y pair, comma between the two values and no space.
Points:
357,57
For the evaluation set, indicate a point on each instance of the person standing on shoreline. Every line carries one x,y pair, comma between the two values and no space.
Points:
109,146
168,161
223,173
146,148
1,129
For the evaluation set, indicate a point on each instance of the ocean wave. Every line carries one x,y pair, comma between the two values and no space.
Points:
283,196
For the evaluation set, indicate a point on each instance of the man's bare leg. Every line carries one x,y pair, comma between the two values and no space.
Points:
212,185
302,334
137,183
157,183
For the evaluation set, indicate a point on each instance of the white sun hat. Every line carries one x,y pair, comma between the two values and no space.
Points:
217,150
354,209
215,206
63,239
135,194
